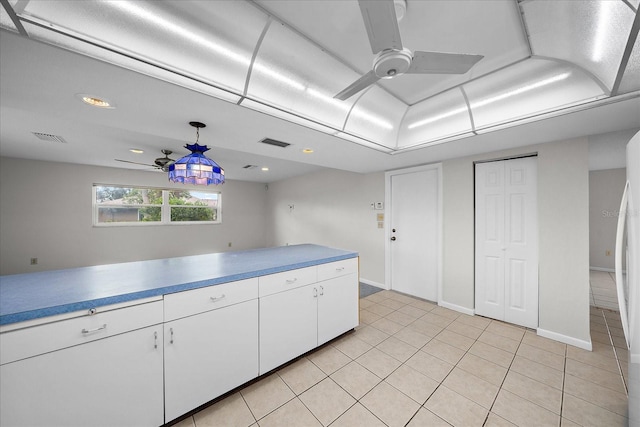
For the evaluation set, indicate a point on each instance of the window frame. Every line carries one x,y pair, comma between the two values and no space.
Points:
165,207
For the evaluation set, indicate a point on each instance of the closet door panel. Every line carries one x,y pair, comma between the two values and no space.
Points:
506,241
521,247
489,259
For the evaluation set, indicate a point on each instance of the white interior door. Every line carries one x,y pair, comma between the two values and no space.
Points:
414,240
490,240
507,241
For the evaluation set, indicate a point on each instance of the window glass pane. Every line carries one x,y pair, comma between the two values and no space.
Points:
120,196
193,198
194,205
138,206
193,213
112,214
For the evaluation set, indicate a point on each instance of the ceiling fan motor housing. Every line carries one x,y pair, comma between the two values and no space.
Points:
391,62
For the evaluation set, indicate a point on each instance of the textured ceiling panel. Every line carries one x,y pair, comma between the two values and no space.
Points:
440,25
293,74
590,34
528,88
631,77
376,116
5,21
195,38
439,117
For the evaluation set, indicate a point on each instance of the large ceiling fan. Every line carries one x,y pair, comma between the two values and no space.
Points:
161,163
391,58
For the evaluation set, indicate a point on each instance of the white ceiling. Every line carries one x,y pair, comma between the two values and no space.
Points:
441,26
39,83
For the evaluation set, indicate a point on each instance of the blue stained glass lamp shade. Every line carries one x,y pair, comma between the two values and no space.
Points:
196,168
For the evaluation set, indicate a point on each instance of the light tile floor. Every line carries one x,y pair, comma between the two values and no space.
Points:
602,290
412,363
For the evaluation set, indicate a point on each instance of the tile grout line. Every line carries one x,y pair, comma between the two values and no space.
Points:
615,354
564,376
505,378
381,379
421,405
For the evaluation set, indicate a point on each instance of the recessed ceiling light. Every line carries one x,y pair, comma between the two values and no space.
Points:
265,169
95,101
136,151
307,151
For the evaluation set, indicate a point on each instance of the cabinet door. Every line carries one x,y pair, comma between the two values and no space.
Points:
337,306
208,354
114,381
288,326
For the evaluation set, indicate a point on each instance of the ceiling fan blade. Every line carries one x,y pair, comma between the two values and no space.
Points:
442,63
360,84
135,163
382,26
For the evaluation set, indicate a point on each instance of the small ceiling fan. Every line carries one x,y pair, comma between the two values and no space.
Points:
161,163
392,59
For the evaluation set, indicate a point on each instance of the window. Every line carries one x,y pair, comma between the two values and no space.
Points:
115,205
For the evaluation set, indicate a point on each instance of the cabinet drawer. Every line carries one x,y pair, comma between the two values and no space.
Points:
28,342
274,283
337,269
188,303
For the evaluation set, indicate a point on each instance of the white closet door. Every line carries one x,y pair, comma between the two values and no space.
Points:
521,242
490,239
506,241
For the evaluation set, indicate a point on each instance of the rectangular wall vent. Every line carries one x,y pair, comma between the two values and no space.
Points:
49,137
249,167
275,142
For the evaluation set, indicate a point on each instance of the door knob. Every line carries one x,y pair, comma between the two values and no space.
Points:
393,238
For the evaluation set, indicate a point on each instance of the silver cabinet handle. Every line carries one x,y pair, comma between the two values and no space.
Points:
171,332
315,292
321,290
214,299
88,331
290,281
339,268
155,339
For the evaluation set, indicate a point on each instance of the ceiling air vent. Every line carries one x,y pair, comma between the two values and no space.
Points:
249,167
275,142
49,137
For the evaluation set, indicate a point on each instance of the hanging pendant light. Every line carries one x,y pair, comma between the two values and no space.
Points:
196,168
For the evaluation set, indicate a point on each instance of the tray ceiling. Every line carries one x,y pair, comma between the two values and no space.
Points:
289,58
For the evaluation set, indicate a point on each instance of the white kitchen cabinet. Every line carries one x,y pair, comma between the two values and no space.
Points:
147,362
212,352
337,306
114,381
288,326
301,318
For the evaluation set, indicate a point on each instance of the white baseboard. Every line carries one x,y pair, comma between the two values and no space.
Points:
586,345
458,308
608,270
372,283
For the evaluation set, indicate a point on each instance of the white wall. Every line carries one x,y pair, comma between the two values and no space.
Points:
46,212
605,192
331,208
563,224
609,150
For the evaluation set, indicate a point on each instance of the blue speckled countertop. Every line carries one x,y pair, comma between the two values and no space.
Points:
36,295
